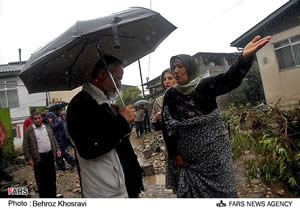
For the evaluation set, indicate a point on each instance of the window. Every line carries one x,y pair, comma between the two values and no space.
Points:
288,52
211,60
9,94
14,132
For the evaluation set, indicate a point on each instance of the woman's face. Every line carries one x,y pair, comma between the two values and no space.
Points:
168,80
50,120
180,73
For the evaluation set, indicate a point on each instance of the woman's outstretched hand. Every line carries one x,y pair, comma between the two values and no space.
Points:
253,46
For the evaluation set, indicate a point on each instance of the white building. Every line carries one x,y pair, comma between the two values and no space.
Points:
14,95
279,60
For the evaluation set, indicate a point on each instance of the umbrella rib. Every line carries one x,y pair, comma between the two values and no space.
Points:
71,68
121,36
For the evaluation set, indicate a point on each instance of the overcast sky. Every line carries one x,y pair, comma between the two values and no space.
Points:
203,26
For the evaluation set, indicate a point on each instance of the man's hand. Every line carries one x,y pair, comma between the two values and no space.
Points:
128,113
58,154
158,116
179,162
31,163
253,46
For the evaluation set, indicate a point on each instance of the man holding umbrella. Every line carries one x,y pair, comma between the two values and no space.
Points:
99,134
98,131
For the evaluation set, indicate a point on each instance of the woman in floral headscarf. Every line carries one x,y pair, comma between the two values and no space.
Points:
196,139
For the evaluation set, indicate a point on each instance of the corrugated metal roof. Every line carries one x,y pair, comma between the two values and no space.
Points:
11,68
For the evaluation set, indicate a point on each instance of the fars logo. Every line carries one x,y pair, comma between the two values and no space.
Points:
17,191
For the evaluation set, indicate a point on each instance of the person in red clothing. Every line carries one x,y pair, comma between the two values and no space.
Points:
3,135
28,121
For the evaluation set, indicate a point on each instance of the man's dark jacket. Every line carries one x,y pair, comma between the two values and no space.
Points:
97,129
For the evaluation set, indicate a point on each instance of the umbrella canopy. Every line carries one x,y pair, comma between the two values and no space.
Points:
57,105
67,62
141,102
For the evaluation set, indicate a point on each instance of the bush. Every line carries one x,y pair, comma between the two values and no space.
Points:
270,135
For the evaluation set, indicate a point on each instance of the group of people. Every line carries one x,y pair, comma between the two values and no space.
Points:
199,162
45,142
142,121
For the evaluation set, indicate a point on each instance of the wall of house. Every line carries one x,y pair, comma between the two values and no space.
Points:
25,101
18,140
279,85
64,95
19,114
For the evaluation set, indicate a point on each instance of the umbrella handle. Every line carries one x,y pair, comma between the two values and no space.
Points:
113,80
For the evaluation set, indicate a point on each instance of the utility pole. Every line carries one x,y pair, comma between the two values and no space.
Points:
47,98
148,66
141,79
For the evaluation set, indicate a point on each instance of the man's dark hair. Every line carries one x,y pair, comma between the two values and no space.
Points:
100,64
35,113
33,110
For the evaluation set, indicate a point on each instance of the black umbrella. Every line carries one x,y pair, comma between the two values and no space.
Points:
141,102
67,61
57,105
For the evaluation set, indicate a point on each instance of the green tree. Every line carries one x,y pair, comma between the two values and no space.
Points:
256,89
250,91
129,95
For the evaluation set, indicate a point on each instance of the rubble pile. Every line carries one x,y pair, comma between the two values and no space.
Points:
151,154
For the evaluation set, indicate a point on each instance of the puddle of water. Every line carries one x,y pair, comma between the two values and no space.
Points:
155,179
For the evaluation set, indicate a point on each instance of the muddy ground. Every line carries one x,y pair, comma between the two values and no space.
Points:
68,182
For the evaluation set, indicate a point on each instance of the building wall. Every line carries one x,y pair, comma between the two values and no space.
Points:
279,85
19,114
18,141
25,101
64,95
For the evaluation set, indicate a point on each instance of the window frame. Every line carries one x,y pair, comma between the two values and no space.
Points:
290,44
9,87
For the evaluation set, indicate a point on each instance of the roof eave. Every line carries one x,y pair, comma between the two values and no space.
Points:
237,42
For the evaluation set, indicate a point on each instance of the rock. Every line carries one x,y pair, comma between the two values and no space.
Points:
274,126
77,190
147,153
280,192
255,181
147,141
247,152
153,147
243,193
256,195
20,160
260,189
148,169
